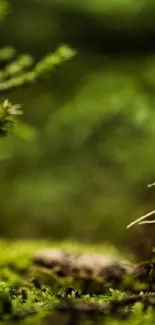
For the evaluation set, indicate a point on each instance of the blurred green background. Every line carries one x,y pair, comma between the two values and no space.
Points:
85,175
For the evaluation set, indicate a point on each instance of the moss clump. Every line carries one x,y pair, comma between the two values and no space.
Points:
30,294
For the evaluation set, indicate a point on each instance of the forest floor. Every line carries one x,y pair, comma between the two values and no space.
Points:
71,284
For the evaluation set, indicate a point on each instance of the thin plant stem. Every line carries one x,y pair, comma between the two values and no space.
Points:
140,219
148,221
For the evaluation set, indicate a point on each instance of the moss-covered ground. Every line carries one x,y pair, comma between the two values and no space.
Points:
31,294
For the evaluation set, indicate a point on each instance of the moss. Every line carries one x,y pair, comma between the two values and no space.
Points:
33,295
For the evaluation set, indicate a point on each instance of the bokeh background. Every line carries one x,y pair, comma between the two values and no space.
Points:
84,172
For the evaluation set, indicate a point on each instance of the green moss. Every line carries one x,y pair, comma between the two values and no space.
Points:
31,295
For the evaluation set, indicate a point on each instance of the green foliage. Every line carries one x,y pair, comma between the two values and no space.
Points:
13,75
62,54
17,73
